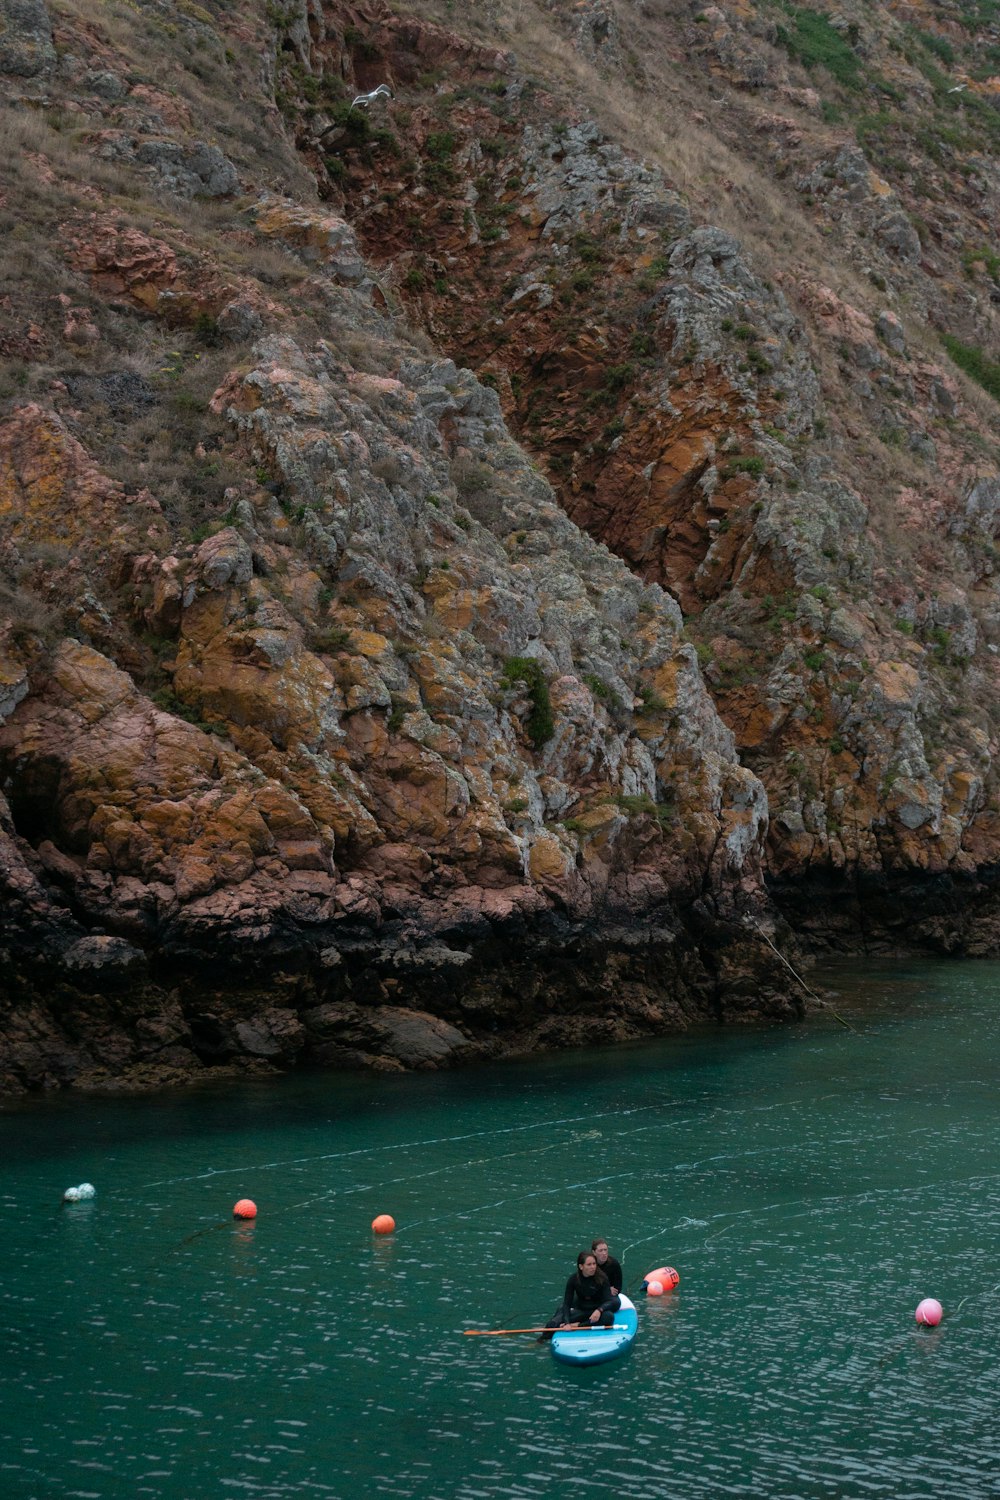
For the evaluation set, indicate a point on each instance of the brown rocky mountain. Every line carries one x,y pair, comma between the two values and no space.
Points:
482,564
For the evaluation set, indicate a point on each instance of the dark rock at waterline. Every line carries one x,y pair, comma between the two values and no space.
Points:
864,911
369,1002
384,1036
111,960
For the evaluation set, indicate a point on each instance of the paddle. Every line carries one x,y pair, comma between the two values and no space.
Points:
493,1333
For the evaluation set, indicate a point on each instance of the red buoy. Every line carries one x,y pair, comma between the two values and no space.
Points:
245,1209
383,1224
665,1275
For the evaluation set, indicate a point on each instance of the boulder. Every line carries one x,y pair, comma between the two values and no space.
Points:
26,46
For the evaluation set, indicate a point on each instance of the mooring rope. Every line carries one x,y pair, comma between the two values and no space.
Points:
823,1004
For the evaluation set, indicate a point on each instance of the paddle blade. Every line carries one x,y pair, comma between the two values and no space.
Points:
493,1333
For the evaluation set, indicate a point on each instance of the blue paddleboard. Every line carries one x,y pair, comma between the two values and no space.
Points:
586,1346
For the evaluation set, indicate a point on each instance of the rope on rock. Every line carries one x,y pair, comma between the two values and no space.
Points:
823,1004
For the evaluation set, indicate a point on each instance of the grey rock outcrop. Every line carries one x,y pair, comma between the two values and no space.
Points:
26,46
199,170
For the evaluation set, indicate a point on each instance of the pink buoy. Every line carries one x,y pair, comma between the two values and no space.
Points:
930,1312
246,1208
654,1288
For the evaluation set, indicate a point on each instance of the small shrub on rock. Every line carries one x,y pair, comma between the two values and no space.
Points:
541,725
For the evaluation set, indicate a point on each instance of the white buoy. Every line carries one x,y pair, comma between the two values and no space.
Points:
79,1194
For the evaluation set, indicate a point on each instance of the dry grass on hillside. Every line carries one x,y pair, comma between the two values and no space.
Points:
665,114
47,165
207,73
656,116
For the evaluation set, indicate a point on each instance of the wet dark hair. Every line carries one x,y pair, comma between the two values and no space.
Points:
598,1273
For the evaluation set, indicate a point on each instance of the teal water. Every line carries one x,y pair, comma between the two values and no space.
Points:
810,1184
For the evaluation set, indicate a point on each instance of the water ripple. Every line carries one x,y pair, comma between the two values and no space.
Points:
810,1187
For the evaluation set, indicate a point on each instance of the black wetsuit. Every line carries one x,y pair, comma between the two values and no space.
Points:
585,1295
613,1271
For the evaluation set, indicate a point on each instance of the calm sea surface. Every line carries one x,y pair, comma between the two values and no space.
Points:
810,1185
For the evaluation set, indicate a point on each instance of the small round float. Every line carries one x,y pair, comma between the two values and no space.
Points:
245,1209
80,1194
383,1224
929,1312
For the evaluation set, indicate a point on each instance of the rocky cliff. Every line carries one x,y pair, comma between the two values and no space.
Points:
467,553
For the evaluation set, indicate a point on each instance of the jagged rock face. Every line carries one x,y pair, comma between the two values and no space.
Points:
332,725
383,730
686,410
394,706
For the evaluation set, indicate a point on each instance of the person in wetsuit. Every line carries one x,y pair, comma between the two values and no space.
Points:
588,1297
607,1263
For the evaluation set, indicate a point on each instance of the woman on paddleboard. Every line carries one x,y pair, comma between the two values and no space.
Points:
606,1262
588,1297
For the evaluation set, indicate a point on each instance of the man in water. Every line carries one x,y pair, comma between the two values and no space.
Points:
607,1263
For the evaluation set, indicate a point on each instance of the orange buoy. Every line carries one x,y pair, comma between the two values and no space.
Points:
665,1275
383,1224
245,1209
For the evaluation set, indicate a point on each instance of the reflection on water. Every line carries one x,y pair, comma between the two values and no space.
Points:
810,1185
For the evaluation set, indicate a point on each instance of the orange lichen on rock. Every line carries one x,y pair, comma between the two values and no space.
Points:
123,259
50,488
